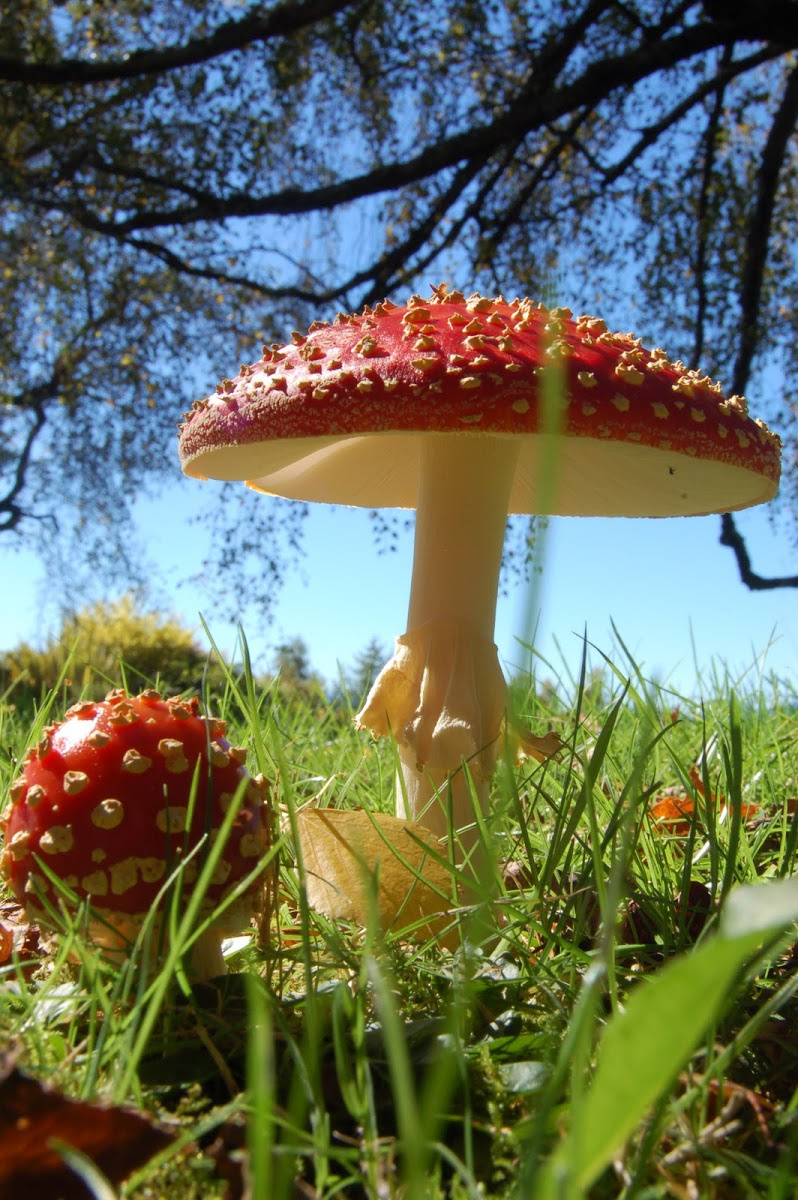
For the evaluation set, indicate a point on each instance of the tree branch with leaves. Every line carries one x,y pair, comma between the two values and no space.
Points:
206,183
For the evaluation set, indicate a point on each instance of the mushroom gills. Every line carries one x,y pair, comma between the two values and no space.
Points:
589,476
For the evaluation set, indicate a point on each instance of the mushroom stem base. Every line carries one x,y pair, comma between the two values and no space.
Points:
115,934
445,802
442,696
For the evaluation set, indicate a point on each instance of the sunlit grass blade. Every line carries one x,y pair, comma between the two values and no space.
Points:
644,1046
260,1092
97,1185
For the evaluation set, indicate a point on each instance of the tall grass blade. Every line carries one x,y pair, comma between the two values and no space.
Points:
658,1030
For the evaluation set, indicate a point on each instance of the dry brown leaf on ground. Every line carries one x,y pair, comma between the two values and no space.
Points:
18,936
34,1118
360,863
539,747
673,809
6,943
673,813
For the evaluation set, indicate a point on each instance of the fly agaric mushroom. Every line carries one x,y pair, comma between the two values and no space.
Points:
467,410
105,800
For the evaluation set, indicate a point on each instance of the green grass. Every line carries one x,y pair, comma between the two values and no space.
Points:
616,1017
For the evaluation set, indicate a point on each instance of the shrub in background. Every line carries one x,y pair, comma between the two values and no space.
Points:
105,644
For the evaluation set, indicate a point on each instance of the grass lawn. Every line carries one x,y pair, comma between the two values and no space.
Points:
609,1012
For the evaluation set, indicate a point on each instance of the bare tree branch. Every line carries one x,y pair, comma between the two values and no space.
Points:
772,162
730,536
704,213
773,158
259,26
650,134
182,267
470,213
12,513
531,110
776,20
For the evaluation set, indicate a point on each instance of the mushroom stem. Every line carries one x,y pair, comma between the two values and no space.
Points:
461,514
461,517
207,960
443,693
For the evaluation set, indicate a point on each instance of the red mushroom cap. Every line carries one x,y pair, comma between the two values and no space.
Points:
104,801
337,415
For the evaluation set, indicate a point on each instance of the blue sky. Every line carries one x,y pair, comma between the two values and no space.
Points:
670,588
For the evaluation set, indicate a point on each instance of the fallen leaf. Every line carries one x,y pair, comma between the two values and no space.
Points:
530,745
675,807
6,943
698,783
34,1117
360,862
674,811
747,811
25,938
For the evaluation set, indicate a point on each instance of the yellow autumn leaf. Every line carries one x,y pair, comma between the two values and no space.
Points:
360,862
530,745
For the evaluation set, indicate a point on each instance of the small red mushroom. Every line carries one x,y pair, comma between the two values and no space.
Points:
114,798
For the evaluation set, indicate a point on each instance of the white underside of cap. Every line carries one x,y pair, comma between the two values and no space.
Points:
565,476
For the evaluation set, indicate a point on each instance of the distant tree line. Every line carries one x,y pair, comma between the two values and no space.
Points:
122,642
